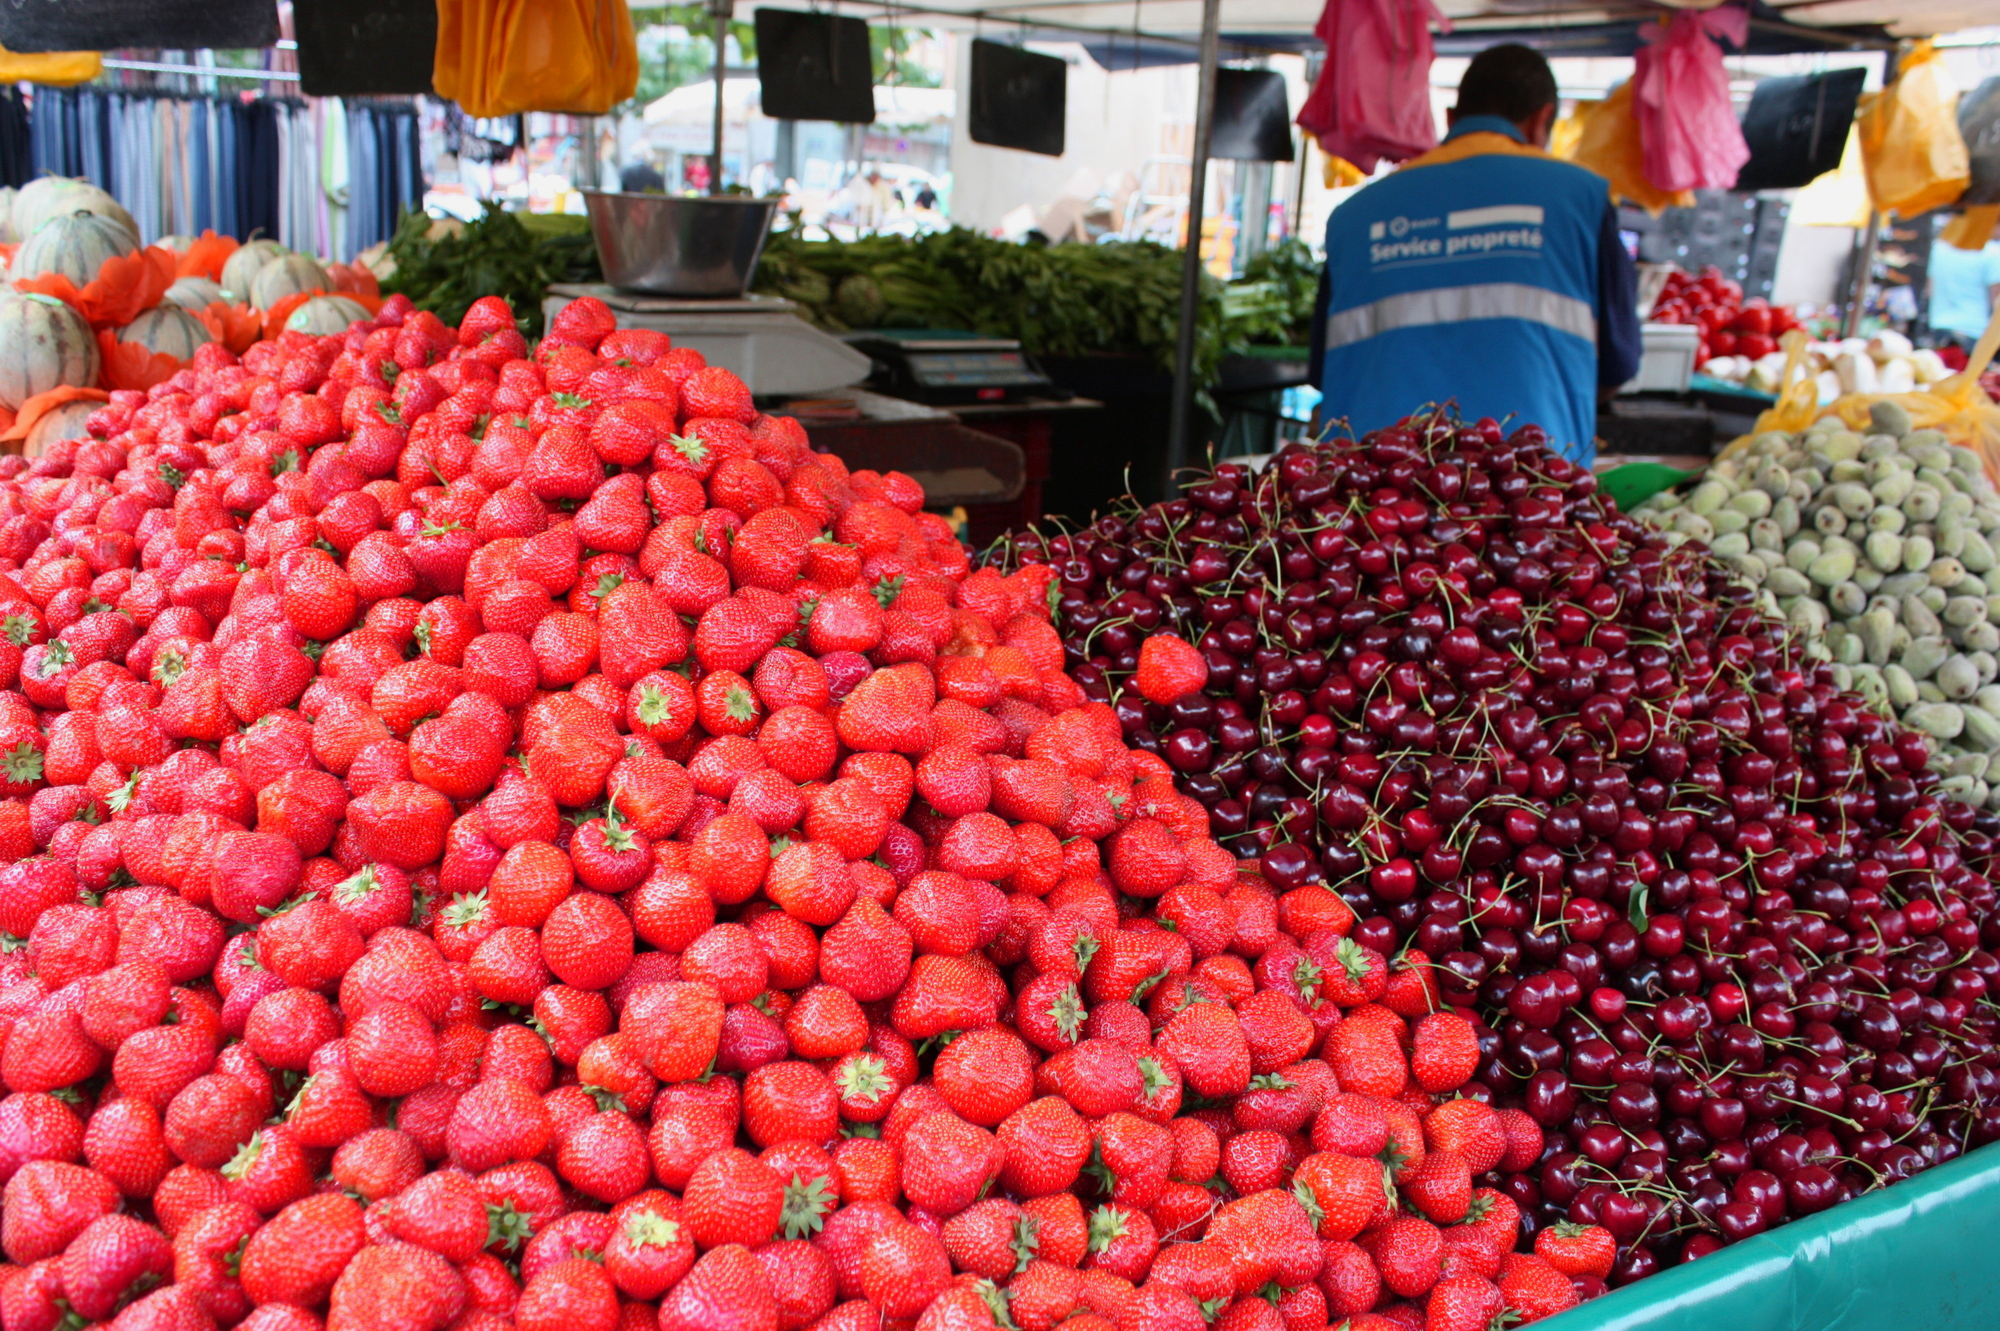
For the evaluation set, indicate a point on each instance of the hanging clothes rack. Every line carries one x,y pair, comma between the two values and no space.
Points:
320,175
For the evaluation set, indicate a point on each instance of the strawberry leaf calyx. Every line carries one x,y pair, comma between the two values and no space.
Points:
22,764
807,1203
1107,1226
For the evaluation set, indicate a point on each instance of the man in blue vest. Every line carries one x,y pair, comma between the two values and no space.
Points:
1484,272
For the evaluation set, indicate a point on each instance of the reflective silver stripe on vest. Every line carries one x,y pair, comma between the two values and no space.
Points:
1443,305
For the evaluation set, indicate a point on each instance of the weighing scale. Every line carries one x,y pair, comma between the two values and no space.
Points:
945,366
761,339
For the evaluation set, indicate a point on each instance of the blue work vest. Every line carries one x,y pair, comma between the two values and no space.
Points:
1471,277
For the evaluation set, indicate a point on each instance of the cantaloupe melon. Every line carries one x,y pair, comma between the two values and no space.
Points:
169,329
59,196
44,344
240,268
65,422
288,276
195,293
324,315
75,246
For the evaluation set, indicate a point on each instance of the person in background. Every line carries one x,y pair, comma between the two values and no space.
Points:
1484,271
926,196
642,178
1964,284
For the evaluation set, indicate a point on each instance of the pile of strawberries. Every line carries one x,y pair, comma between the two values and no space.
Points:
503,839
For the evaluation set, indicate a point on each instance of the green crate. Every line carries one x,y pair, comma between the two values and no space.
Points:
1918,1254
1636,482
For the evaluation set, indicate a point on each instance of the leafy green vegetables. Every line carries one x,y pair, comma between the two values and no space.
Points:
1060,300
444,267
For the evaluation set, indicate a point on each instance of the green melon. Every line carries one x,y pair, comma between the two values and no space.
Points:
195,293
325,315
169,329
240,269
58,196
44,344
8,235
75,246
289,276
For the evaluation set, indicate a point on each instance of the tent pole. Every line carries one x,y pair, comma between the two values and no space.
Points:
1179,419
720,10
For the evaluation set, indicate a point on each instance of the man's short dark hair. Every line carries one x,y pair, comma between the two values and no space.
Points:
1510,81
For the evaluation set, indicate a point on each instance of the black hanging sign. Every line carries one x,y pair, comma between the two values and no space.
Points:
360,48
814,67
107,25
1797,127
1253,117
1979,122
1019,98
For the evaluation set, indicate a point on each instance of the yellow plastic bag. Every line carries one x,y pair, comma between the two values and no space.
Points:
1606,139
1798,400
1971,229
1911,147
57,68
1342,174
500,57
1957,406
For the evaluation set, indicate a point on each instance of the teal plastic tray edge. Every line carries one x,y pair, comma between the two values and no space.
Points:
1919,1253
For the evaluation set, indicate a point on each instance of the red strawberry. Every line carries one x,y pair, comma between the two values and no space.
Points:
1462,1303
114,1258
47,1204
732,1198
716,392
725,1289
903,1268
396,1287
1168,668
1577,1250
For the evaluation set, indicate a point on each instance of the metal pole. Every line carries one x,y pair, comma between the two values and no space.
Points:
1298,218
1864,267
721,10
1204,127
1864,245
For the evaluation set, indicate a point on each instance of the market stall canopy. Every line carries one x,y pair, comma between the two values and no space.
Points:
1120,35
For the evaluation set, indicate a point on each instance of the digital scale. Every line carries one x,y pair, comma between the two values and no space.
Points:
761,339
945,366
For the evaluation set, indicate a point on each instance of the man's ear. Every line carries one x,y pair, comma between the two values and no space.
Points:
1535,129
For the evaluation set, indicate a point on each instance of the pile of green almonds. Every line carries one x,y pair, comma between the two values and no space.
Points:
1880,550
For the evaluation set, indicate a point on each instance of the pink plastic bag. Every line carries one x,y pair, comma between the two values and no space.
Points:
1681,93
1372,102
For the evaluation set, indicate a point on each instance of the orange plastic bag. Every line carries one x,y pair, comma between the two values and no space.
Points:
238,327
41,404
206,256
130,365
1911,147
1605,138
501,57
125,287
1971,229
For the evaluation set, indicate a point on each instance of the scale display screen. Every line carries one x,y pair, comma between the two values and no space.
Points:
971,369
